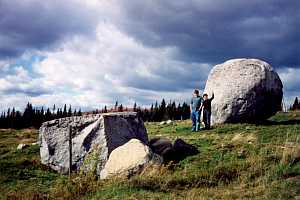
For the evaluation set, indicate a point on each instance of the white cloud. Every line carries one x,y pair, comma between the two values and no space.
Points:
290,77
291,83
93,72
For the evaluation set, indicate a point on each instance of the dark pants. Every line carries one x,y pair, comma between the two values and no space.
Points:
195,115
206,118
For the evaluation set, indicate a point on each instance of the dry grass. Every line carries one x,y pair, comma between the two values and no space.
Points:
236,161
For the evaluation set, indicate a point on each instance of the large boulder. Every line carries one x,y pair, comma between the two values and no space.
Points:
246,90
129,159
94,137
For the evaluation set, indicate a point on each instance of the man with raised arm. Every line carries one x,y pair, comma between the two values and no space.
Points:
206,106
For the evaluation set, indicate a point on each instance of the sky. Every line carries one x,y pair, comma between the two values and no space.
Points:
95,52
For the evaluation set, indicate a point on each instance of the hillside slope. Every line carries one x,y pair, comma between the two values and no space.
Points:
236,161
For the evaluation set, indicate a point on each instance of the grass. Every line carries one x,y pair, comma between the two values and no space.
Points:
236,161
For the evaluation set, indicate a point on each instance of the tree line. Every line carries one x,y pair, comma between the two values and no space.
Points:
164,111
34,117
157,111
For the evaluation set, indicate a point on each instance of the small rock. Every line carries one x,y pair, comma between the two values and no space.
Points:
169,122
22,146
162,123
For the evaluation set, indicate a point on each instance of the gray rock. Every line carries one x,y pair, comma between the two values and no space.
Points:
169,122
246,90
94,137
169,152
159,145
162,123
22,146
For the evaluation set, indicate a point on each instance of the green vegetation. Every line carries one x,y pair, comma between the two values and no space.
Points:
236,161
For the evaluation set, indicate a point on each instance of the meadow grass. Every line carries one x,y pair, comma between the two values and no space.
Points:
236,161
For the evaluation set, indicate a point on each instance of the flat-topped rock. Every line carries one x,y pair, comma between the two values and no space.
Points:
94,137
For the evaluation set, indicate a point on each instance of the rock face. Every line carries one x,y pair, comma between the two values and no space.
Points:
246,90
94,137
129,159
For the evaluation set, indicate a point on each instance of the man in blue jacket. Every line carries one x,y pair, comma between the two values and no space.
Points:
195,108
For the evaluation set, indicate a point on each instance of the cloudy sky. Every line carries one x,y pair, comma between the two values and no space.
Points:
94,52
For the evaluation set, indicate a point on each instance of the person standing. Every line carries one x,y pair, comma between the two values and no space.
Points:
195,108
206,106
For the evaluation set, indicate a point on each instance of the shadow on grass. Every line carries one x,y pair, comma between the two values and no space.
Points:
284,122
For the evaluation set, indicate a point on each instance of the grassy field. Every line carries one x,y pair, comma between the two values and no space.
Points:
236,161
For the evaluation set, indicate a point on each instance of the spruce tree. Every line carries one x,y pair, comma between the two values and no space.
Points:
295,104
48,115
162,110
70,111
120,109
65,113
79,112
116,105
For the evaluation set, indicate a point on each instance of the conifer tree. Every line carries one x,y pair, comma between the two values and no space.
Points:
79,112
295,104
69,111
65,113
120,108
116,105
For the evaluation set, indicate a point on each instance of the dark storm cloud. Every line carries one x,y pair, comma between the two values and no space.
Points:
33,24
215,31
31,92
172,78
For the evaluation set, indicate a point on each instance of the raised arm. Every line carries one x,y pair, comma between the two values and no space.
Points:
212,96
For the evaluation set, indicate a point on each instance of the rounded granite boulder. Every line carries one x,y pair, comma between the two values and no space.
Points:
246,90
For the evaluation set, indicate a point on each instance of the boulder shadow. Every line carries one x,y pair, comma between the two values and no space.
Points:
271,122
